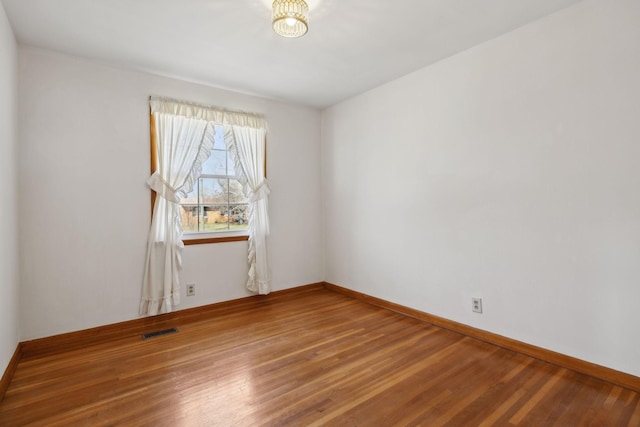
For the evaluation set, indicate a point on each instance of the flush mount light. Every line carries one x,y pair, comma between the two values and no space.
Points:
290,17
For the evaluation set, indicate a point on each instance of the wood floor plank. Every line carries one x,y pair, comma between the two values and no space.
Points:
302,359
533,400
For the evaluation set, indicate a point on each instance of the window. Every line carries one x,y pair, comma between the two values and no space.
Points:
216,210
217,202
181,135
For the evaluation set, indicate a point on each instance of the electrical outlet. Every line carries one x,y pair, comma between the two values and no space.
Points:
191,289
476,305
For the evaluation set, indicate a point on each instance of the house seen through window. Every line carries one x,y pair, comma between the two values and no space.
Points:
217,202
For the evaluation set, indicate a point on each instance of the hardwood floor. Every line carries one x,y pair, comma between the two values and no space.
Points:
307,358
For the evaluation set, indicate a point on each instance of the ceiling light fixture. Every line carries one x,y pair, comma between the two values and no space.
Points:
290,18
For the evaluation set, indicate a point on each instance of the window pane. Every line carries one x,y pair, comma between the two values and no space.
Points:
216,164
238,216
213,191
216,204
216,218
236,193
208,167
231,170
220,158
218,142
189,216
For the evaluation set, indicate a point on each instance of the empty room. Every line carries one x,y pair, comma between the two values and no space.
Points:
319,212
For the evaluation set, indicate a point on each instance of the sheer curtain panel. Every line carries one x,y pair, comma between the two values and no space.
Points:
183,143
247,147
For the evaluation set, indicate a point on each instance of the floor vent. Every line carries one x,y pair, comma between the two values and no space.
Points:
159,333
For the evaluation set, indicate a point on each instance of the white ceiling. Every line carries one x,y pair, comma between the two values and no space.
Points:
352,45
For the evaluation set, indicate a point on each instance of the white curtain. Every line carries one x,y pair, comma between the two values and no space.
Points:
183,143
247,147
184,140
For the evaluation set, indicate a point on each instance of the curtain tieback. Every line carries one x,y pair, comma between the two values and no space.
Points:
261,191
162,188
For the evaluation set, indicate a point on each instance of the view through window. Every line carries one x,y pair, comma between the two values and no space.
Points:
217,202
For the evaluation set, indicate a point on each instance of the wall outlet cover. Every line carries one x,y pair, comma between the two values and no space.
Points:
476,305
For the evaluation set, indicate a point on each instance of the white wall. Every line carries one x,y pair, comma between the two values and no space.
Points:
9,327
85,208
508,172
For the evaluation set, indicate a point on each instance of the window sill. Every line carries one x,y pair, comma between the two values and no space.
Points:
207,238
